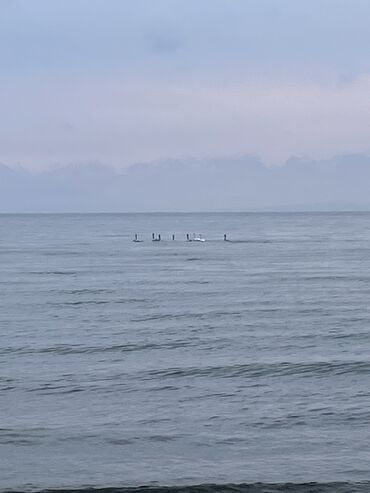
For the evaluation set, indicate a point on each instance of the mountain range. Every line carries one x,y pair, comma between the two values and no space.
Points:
225,184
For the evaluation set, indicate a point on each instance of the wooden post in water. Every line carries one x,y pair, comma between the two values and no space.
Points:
173,237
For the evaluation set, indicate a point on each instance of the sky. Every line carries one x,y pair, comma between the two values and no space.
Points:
127,81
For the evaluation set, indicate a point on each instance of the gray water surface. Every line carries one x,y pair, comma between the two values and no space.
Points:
176,363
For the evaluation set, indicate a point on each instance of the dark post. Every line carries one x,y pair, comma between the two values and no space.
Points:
225,239
173,237
153,236
159,237
187,237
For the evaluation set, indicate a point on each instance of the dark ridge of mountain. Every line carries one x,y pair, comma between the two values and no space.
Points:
238,183
7,172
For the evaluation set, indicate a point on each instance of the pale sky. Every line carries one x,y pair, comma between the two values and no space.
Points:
119,81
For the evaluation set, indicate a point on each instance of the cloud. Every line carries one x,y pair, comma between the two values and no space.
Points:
121,82
240,37
52,121
162,39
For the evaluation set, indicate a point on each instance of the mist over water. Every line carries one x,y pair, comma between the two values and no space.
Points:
175,363
221,184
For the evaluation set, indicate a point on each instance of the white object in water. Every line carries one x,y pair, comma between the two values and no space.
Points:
198,238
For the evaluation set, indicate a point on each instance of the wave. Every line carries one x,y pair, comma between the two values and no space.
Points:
63,349
311,487
255,370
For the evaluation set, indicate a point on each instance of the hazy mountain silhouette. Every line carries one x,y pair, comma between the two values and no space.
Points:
244,183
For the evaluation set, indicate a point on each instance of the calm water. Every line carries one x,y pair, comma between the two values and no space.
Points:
177,363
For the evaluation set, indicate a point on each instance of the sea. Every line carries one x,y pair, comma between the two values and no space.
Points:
183,366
